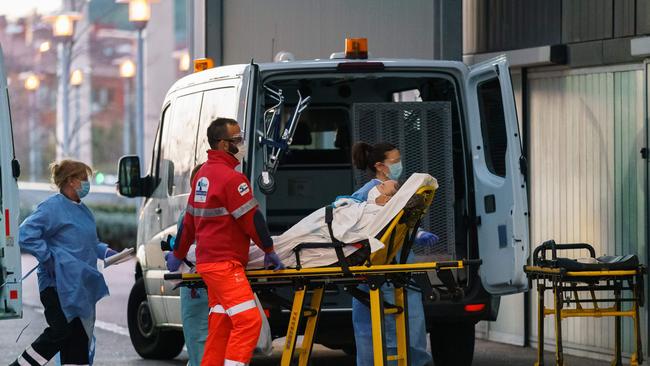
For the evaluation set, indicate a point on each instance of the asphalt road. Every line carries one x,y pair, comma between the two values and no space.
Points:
114,346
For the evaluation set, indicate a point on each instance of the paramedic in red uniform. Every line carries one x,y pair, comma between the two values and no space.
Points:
223,217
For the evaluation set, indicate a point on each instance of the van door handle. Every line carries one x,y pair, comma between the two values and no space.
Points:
158,210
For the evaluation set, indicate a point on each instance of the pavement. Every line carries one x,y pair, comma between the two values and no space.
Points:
114,346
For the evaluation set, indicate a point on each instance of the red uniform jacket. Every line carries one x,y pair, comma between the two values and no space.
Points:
219,214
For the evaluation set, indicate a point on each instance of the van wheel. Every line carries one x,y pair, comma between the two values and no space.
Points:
149,341
452,344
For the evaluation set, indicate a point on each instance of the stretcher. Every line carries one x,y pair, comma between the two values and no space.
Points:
374,270
614,283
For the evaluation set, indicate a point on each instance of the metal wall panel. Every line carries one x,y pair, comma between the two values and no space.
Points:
624,13
587,179
586,20
642,16
500,25
314,29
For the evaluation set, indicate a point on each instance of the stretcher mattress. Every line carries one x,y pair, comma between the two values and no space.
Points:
353,222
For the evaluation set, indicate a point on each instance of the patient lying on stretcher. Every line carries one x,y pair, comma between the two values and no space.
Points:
353,222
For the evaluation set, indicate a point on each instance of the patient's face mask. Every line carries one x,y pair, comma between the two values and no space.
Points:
373,194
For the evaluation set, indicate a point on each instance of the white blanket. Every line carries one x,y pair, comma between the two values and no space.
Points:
353,222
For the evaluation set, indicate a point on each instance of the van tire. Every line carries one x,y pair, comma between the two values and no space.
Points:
149,342
452,344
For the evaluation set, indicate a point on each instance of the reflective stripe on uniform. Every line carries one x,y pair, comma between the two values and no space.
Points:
217,309
239,308
246,305
23,362
244,208
37,357
206,212
228,362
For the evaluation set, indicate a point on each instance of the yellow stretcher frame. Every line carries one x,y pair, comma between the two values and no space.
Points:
378,271
374,276
562,281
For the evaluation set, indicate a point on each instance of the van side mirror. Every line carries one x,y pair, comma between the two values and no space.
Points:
130,183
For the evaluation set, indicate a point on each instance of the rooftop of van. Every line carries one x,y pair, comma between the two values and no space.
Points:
230,71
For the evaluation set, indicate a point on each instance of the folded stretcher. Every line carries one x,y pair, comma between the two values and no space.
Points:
614,283
373,269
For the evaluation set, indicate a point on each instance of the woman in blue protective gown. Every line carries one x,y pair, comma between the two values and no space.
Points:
61,233
383,161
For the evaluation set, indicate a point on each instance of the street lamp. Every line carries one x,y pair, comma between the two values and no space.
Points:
63,31
139,15
32,83
76,79
44,47
127,71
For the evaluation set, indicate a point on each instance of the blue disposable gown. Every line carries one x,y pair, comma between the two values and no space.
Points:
361,317
65,230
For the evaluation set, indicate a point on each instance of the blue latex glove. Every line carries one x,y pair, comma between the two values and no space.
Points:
109,253
272,261
426,239
173,263
48,265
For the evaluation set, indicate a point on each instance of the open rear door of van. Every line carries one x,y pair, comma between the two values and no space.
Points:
500,186
10,271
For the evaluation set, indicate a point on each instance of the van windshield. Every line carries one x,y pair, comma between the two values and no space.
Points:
417,112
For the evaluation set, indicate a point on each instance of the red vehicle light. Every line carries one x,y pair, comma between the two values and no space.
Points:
474,308
360,66
13,294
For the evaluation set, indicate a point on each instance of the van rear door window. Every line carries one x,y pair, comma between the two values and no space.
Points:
493,126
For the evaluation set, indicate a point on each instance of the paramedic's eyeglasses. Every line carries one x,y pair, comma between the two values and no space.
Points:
235,140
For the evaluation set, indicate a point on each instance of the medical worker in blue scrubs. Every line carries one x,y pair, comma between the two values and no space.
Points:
384,162
61,233
194,301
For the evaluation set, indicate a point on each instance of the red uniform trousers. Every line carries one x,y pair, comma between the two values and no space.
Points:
235,322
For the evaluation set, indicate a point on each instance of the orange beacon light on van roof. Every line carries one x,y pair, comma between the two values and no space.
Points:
201,64
356,48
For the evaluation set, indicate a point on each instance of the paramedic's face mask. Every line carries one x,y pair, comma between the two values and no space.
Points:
236,146
391,167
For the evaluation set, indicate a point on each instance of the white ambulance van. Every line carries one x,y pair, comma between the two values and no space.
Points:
10,271
301,118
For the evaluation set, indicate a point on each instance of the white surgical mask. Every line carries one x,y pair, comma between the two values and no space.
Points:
242,151
373,194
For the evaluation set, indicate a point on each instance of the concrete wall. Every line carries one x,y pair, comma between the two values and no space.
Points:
314,29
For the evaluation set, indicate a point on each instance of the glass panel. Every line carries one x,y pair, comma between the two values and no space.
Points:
493,126
178,151
217,103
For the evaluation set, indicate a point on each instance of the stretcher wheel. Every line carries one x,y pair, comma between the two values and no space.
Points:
267,186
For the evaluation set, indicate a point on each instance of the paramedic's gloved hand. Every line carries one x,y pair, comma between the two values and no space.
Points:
109,253
271,260
48,265
173,263
426,239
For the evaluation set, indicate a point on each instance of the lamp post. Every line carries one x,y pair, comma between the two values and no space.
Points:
127,71
76,79
139,15
32,84
63,31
